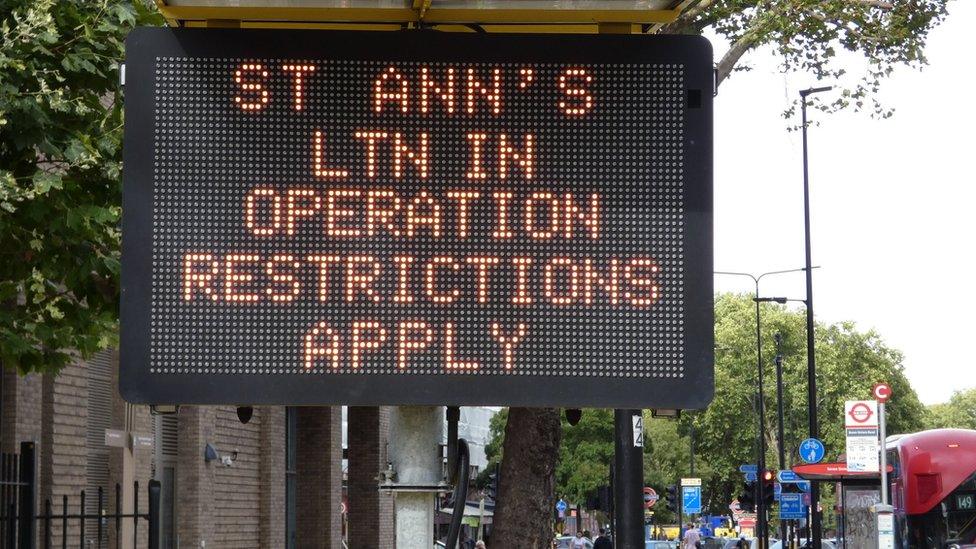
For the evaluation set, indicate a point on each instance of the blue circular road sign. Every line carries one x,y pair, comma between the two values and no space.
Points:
812,450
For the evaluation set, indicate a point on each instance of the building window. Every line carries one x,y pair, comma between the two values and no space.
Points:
291,424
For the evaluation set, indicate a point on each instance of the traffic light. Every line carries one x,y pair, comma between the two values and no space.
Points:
671,497
599,499
605,495
747,499
491,489
769,487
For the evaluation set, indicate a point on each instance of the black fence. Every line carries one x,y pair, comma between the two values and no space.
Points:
21,527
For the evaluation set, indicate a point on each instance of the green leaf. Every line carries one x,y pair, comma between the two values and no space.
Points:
45,181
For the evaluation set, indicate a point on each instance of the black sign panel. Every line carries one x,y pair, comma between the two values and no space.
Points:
417,217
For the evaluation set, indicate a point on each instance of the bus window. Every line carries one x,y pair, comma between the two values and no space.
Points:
953,521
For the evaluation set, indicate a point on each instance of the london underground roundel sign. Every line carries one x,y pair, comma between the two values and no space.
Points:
650,497
860,413
316,217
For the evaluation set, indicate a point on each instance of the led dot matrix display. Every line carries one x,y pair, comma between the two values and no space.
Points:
417,217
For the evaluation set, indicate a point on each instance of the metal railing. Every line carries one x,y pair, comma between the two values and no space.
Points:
19,522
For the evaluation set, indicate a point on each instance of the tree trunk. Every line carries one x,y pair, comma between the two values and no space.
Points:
526,491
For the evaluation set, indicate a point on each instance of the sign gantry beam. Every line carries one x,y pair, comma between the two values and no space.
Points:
422,12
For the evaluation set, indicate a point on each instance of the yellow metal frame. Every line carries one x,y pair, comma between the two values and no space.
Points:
420,13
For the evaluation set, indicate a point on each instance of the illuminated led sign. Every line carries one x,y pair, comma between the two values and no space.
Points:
356,218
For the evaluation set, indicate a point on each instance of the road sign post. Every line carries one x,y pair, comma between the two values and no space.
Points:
787,476
561,507
322,218
812,450
650,497
886,525
691,499
791,507
861,426
882,391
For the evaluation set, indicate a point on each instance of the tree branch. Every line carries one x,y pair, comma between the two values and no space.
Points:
731,57
686,18
875,3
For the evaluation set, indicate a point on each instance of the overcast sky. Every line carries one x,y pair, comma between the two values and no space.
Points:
893,204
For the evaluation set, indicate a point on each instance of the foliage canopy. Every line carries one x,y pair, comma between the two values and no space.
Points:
60,176
849,362
958,413
822,38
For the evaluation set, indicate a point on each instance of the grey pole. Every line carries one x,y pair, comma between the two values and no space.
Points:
884,453
416,433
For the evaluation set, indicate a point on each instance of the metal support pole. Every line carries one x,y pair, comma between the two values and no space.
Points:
692,441
28,497
761,503
811,360
681,510
628,479
884,453
154,516
779,428
416,433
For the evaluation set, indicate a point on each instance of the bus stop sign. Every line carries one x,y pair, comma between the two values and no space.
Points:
316,217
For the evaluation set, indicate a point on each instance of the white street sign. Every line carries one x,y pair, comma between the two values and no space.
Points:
863,450
861,425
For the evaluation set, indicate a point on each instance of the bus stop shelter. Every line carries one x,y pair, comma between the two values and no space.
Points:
857,494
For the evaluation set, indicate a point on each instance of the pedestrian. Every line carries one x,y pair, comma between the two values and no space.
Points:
692,539
603,541
480,544
579,542
464,542
743,543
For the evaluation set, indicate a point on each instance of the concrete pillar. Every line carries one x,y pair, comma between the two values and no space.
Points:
319,471
370,512
416,433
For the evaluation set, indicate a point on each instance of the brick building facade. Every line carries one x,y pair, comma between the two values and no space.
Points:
277,481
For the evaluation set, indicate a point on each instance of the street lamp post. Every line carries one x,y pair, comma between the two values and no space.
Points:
762,526
811,360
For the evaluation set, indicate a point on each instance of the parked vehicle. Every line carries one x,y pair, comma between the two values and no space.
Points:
826,544
753,543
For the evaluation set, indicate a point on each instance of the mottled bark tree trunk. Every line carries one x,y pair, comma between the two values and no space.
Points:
526,491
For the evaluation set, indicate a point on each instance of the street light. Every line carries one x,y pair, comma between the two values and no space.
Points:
761,458
811,361
779,400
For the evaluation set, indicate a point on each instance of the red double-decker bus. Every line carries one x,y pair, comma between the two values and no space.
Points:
933,488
